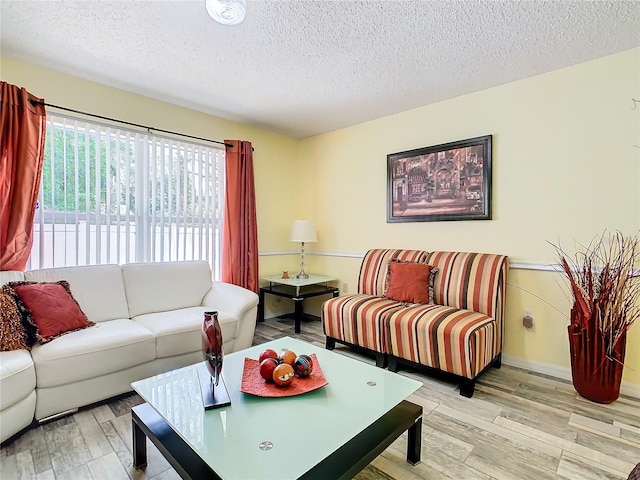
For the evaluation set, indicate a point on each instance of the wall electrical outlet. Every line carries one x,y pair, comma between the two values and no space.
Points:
345,288
527,319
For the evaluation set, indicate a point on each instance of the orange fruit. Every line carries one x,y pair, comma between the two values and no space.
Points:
288,357
283,375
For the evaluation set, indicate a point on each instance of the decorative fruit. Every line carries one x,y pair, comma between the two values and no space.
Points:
288,356
268,353
283,375
267,366
303,366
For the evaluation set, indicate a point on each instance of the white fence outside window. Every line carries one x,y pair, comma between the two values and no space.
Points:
115,196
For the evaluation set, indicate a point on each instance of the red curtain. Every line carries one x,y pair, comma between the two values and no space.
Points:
22,132
240,228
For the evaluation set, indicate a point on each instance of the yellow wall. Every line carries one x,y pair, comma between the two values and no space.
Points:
564,168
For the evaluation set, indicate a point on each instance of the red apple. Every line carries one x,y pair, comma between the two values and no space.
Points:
268,353
267,366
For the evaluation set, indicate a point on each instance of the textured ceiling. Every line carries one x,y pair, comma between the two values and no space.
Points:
304,67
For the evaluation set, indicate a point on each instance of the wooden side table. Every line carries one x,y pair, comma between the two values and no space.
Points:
297,289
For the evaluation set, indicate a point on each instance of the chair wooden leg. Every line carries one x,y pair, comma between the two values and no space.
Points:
330,344
381,360
468,387
497,363
392,363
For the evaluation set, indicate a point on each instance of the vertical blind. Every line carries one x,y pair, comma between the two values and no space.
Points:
110,195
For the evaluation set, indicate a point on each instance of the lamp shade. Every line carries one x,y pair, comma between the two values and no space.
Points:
303,231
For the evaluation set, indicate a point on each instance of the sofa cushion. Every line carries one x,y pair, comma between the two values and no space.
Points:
13,334
165,286
17,417
98,289
103,348
178,331
358,319
473,281
410,282
373,270
51,308
455,340
17,376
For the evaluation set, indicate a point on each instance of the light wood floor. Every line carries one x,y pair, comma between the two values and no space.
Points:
518,425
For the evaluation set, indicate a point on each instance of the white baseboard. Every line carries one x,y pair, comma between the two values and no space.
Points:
564,373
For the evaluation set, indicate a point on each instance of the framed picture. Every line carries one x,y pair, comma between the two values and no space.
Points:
451,181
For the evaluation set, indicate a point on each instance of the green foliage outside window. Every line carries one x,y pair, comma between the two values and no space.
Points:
82,173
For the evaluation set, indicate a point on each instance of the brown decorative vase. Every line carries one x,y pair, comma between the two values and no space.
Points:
214,391
596,377
212,345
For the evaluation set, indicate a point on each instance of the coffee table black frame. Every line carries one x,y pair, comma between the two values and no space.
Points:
343,463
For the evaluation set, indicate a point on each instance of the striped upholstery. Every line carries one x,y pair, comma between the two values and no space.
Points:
473,281
447,338
461,333
373,271
358,319
469,280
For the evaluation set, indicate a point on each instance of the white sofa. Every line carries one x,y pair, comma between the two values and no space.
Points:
148,319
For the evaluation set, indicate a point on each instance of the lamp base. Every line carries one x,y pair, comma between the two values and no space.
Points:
302,274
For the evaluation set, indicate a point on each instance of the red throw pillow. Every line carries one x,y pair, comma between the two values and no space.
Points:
409,282
52,308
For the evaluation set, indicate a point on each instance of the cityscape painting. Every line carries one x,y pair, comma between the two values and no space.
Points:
451,181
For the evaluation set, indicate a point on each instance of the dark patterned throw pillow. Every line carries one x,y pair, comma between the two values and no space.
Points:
15,333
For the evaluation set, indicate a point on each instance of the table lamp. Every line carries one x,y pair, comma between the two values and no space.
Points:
303,231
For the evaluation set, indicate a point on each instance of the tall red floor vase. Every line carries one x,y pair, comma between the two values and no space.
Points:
596,376
602,276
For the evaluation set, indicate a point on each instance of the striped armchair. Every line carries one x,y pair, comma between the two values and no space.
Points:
460,333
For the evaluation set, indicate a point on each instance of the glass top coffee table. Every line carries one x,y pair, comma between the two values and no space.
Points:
331,432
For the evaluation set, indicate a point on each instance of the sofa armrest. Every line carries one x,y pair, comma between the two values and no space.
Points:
238,302
230,298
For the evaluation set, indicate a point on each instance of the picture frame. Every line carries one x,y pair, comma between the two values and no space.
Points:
451,181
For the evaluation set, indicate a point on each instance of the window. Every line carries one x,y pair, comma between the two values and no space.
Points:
109,195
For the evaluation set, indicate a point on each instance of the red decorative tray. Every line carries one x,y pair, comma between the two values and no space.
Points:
254,384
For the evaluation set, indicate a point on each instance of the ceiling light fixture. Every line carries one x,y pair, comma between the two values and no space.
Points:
227,12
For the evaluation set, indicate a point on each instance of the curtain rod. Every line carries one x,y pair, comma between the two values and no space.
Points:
147,128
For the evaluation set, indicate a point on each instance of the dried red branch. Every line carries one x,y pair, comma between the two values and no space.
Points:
603,278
